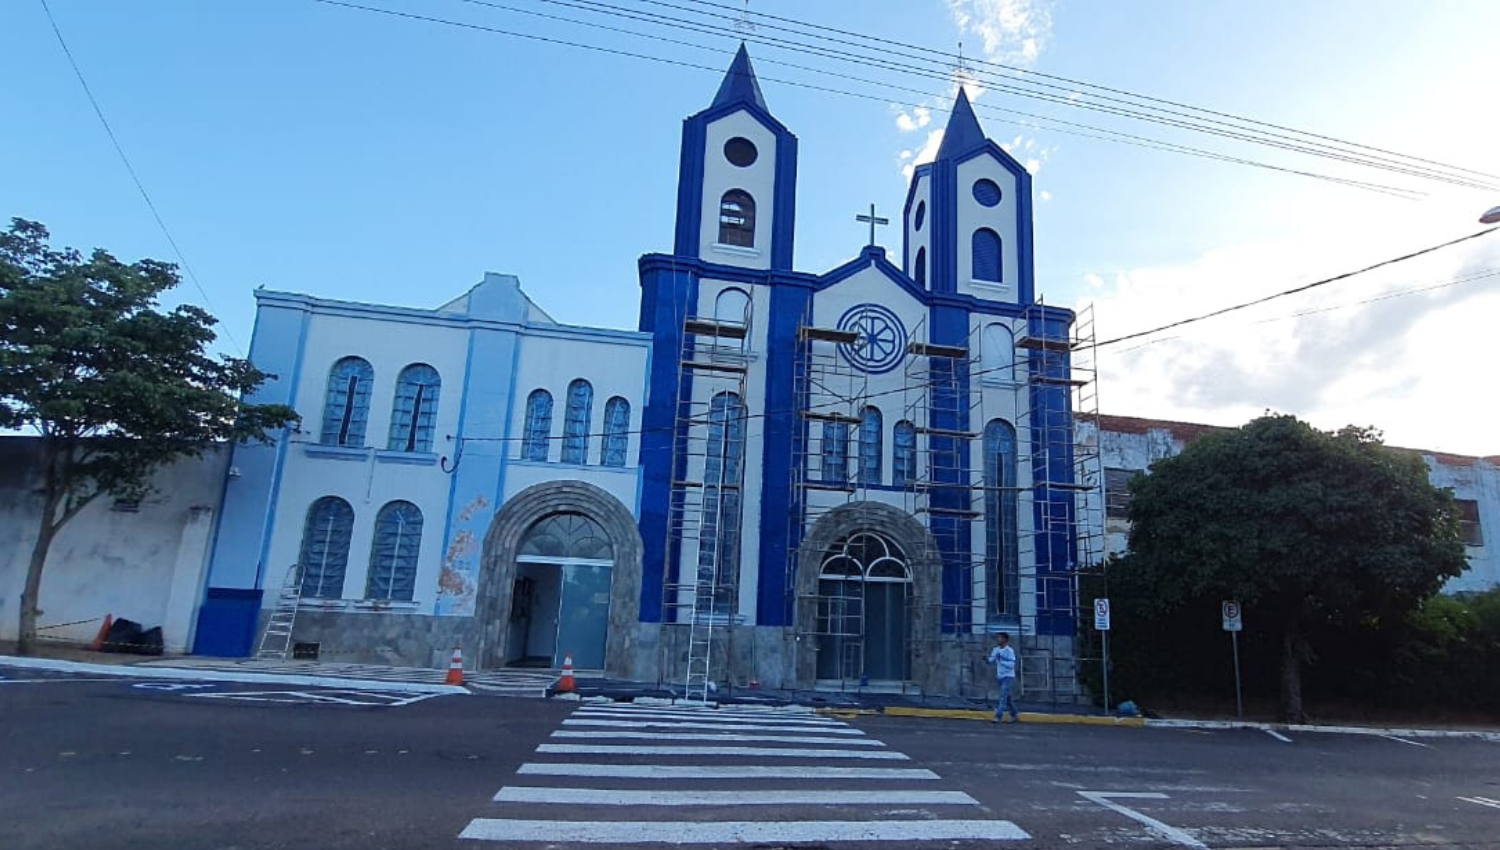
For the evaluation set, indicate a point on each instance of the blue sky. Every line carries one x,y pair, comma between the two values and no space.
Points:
352,155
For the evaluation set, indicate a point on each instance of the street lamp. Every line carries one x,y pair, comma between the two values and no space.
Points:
1491,217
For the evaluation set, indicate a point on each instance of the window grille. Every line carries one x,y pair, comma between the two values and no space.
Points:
325,547
871,432
986,244
575,448
348,406
394,552
414,410
1002,518
737,219
904,454
616,432
534,443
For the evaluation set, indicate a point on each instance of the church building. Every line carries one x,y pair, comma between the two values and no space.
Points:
841,479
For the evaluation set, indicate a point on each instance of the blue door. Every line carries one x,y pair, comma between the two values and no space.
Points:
583,615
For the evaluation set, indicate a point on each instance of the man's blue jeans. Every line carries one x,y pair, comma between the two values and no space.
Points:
1005,703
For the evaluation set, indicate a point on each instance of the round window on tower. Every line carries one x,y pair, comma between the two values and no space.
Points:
920,217
987,193
740,151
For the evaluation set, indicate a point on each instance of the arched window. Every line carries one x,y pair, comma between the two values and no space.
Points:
904,454
836,452
732,306
348,405
567,535
575,448
718,542
616,432
997,351
1002,519
871,433
986,245
325,548
414,411
394,551
534,442
919,268
737,219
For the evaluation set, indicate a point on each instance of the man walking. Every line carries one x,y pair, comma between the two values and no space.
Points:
1004,659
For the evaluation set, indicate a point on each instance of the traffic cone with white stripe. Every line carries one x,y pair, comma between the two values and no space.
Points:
456,668
565,682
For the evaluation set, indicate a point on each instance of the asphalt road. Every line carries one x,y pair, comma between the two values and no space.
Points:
124,764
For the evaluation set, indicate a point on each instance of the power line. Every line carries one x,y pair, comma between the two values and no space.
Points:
1137,141
1293,291
1076,83
887,65
119,149
1071,100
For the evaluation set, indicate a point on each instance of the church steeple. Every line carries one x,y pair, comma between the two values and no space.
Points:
736,193
963,133
740,85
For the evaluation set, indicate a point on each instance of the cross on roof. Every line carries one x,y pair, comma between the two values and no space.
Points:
873,219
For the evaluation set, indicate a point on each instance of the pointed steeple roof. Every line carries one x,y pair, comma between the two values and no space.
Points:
739,84
963,133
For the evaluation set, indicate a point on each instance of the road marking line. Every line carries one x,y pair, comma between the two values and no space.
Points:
1405,741
1278,736
1482,801
703,716
750,832
618,797
770,752
736,727
1171,833
5,681
726,771
718,736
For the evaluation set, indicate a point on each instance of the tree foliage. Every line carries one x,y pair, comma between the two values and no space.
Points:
114,386
1310,530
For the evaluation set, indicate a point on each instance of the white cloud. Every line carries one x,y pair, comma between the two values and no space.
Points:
1012,31
913,120
926,154
1366,351
1047,196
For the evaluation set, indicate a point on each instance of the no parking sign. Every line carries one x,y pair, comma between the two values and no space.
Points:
1101,614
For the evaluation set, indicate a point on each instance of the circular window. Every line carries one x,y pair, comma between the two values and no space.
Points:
740,151
920,217
987,193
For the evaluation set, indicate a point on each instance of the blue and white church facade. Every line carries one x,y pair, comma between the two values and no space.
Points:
845,478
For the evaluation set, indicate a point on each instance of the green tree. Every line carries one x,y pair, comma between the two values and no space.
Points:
114,387
1309,530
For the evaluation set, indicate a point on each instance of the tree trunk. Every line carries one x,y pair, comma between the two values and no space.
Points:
1291,677
26,640
46,530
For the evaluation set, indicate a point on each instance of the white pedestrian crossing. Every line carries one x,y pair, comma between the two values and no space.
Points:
741,775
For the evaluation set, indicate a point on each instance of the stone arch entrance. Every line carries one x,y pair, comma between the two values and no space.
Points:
899,566
549,516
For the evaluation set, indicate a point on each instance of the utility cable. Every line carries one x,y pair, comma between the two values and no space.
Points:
135,178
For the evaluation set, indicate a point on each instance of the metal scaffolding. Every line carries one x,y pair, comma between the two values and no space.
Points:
704,518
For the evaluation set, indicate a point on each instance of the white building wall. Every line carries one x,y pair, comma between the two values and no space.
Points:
147,566
759,179
1001,218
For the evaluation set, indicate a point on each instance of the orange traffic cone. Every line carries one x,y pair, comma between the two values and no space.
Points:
109,620
565,683
456,668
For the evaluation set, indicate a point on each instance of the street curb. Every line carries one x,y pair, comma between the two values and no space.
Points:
985,714
198,675
1374,731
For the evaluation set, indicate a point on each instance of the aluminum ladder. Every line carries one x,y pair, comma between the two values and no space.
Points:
276,640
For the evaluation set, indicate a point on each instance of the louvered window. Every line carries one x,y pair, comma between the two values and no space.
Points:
575,448
737,219
616,432
538,425
904,454
986,244
871,432
414,411
394,551
325,547
348,405
1002,518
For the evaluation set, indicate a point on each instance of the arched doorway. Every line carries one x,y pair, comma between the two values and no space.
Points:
560,602
580,548
864,627
900,570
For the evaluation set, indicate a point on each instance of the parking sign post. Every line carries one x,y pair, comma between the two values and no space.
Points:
1101,622
1234,623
